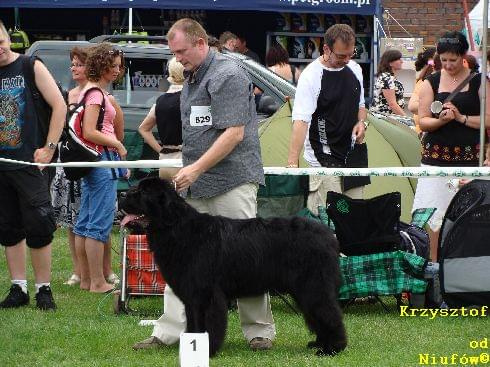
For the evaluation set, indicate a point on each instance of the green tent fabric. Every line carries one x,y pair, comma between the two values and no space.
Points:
390,144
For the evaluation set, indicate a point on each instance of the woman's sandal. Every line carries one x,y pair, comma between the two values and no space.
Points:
73,280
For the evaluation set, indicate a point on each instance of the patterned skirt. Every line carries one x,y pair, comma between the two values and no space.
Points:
65,197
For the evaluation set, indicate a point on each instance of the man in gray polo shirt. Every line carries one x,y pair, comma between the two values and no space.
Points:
222,165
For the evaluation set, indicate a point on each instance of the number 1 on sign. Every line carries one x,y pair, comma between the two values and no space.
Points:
194,345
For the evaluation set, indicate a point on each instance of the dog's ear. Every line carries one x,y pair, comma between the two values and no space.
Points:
158,199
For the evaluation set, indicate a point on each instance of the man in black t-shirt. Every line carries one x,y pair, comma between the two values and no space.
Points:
329,115
26,217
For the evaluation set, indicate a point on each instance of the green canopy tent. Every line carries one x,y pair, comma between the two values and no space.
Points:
390,144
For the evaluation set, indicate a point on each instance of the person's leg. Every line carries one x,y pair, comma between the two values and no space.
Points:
80,231
102,204
12,236
255,312
434,243
173,322
82,262
41,263
16,260
319,186
95,256
107,261
75,276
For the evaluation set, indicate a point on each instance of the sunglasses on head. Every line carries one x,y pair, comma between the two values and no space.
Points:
116,52
453,41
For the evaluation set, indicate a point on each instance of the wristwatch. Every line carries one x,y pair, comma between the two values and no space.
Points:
366,123
52,145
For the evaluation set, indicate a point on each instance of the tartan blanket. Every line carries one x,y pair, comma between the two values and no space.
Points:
385,273
143,276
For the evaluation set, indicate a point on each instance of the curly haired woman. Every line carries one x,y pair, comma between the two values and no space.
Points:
94,223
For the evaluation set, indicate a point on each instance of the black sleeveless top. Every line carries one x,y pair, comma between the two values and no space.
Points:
169,124
19,133
454,144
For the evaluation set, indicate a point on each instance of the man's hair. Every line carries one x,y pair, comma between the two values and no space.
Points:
191,29
3,29
226,36
79,53
341,32
214,42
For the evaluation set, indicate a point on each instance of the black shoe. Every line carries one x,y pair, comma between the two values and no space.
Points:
44,299
15,298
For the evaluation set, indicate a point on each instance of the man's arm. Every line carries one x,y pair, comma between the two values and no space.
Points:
49,90
359,129
227,141
298,136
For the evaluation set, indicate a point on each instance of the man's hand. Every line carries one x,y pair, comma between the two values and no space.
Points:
186,177
43,155
359,131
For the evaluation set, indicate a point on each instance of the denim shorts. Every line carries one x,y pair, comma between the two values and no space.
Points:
98,203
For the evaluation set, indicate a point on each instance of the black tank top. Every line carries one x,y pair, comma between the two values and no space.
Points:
454,144
19,134
169,124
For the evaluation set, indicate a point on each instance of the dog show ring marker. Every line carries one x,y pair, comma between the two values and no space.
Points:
194,350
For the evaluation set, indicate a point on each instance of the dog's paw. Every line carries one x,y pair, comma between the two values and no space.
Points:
313,344
331,350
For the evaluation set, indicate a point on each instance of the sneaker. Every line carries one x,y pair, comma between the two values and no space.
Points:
44,299
112,279
150,343
73,280
15,298
260,343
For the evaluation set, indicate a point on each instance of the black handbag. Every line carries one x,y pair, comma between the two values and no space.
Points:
356,158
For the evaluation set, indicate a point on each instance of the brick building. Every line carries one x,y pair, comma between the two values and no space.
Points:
425,18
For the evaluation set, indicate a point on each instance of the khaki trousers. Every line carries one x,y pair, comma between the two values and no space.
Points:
320,185
255,312
168,173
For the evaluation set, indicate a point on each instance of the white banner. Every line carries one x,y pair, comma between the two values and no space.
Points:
415,172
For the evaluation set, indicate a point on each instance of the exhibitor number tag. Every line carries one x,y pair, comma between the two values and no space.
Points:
201,116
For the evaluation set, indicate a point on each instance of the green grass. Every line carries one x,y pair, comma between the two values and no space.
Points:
84,331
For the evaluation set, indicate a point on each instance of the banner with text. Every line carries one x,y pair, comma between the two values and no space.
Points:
364,7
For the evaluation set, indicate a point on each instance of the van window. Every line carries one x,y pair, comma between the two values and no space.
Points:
143,82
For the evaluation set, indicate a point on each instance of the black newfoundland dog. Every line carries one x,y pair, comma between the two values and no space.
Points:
208,260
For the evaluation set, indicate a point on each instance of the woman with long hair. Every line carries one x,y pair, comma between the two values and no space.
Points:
388,91
452,137
94,223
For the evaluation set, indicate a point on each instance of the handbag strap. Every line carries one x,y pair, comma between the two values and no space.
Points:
459,87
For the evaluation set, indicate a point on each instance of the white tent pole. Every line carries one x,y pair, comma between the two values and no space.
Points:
130,21
483,90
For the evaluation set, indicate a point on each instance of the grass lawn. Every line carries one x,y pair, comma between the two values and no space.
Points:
84,331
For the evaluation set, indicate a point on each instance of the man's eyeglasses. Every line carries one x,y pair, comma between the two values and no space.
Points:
344,57
77,65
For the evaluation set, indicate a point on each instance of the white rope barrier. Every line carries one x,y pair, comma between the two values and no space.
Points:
415,172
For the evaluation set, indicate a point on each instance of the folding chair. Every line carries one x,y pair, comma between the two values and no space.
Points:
371,263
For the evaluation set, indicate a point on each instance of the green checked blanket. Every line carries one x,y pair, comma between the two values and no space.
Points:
384,273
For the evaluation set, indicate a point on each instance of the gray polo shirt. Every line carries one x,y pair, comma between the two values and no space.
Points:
218,95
